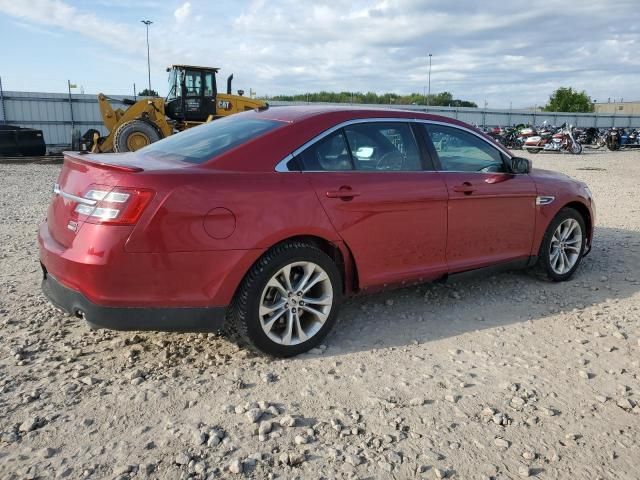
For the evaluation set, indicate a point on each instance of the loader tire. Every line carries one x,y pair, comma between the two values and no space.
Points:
133,135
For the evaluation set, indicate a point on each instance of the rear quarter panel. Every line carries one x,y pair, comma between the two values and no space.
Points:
267,207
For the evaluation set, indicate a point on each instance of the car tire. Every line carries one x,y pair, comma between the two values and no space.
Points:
551,261
256,313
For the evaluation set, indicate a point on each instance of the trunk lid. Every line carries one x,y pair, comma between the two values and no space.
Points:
79,172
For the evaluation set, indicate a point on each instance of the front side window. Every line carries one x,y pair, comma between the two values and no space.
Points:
205,142
330,153
208,84
383,146
461,151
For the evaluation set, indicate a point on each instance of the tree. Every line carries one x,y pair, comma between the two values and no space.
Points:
569,100
444,99
148,93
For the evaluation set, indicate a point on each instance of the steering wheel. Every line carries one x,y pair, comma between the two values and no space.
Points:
391,160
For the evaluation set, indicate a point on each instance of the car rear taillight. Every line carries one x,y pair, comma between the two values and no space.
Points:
118,206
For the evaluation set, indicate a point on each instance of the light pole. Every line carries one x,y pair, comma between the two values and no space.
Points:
147,23
429,94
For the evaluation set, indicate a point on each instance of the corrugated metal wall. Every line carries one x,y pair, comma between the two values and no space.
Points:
498,117
51,113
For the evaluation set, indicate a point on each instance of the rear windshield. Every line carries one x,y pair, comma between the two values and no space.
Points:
204,142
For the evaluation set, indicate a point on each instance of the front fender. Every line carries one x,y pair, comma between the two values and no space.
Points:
546,213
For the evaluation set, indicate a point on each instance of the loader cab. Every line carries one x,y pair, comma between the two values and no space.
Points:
192,93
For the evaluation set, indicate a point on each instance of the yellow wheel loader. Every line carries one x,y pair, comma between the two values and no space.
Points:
193,99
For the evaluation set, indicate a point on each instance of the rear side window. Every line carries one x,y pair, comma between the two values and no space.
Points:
330,154
207,141
375,146
383,146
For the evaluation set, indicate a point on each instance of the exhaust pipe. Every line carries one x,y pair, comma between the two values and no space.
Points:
229,79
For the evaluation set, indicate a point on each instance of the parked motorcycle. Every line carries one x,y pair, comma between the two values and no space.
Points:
513,137
590,137
630,139
612,139
550,141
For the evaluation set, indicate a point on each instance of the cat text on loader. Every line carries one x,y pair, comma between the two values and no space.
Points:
193,99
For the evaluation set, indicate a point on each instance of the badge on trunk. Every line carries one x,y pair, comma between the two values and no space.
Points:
72,225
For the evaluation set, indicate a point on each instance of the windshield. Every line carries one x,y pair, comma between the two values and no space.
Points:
205,142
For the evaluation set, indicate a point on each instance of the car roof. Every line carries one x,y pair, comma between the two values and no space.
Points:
327,114
297,113
305,122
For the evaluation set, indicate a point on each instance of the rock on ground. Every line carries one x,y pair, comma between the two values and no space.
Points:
504,376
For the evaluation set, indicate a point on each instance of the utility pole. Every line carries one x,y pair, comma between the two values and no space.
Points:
135,95
70,85
147,23
429,94
74,136
4,112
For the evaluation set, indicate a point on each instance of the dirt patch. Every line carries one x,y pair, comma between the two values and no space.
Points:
501,377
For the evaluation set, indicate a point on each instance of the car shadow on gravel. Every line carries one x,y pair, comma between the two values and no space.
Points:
439,310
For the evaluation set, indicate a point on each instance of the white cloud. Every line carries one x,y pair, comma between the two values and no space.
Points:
183,12
61,16
503,52
38,30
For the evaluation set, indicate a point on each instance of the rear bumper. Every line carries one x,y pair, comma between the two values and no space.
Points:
172,319
97,266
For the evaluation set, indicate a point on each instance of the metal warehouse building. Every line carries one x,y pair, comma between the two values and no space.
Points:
60,114
619,108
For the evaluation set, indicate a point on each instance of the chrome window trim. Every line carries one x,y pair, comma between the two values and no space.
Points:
481,173
364,171
486,140
58,191
281,166
491,143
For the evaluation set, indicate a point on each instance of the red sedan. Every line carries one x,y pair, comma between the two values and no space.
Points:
266,219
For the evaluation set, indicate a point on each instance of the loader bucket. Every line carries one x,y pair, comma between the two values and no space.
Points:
16,141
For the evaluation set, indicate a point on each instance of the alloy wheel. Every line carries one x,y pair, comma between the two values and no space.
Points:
295,303
566,246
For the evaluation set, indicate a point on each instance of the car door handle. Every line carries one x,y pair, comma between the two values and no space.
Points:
465,188
344,193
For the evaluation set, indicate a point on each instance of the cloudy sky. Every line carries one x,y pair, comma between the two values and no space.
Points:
506,53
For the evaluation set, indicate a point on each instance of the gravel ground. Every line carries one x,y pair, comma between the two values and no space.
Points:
501,377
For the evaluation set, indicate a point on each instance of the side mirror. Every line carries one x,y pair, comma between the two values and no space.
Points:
520,165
